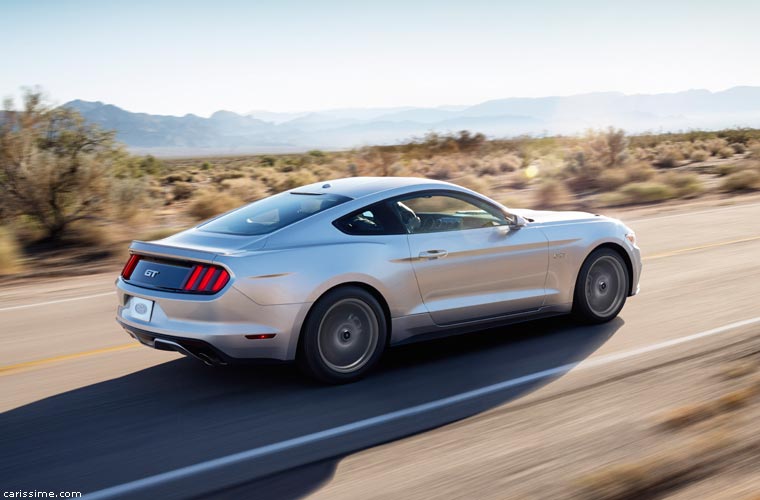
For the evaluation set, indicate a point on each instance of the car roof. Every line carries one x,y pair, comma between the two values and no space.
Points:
359,187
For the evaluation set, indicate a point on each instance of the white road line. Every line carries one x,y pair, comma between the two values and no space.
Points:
70,299
262,451
685,214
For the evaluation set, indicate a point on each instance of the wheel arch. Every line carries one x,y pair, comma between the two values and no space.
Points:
617,248
358,284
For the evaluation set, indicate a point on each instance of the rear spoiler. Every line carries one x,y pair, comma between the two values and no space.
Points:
157,250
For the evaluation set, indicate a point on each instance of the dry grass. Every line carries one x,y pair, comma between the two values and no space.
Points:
209,203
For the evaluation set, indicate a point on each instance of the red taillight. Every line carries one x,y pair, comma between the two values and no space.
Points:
130,266
222,280
206,279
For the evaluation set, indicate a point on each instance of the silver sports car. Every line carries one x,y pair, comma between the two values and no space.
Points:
333,273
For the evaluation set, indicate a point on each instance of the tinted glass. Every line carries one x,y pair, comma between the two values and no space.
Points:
436,212
375,219
273,213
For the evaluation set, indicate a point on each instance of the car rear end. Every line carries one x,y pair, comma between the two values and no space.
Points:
181,298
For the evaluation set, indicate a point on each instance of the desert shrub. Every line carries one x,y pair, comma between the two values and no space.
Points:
10,252
668,156
612,199
639,171
715,145
725,169
487,168
510,162
127,196
725,152
612,178
442,170
684,184
744,180
552,193
227,174
205,166
698,155
177,177
209,203
294,179
245,189
738,148
182,191
647,192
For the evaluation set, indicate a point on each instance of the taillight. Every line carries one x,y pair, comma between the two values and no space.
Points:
130,266
206,279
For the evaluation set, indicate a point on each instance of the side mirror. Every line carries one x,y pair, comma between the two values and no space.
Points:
519,221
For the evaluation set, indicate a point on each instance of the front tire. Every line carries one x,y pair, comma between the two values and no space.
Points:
343,336
602,287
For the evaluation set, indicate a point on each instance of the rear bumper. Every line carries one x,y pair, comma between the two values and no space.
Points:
212,328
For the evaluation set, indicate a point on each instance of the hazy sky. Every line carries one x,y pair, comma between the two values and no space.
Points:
176,57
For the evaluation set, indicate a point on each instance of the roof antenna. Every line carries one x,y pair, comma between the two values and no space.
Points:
325,186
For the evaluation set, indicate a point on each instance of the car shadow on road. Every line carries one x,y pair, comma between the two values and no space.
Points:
180,413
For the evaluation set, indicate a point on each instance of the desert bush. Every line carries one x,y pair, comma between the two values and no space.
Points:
611,199
715,145
54,166
743,180
127,196
684,184
509,162
738,148
209,203
639,171
725,169
647,192
552,193
182,191
293,180
726,152
668,156
177,177
699,155
10,252
612,178
227,174
245,189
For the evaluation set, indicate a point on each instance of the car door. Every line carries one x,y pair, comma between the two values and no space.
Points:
470,261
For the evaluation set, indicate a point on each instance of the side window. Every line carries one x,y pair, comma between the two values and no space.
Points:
375,219
442,212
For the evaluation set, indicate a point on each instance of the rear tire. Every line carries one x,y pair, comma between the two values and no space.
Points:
602,287
343,336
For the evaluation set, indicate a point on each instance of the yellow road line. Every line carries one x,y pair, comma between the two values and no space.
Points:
700,247
4,370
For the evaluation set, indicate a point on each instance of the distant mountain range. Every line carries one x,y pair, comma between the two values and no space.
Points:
226,132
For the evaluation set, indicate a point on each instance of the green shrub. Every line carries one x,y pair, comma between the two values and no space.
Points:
685,184
744,180
10,253
647,192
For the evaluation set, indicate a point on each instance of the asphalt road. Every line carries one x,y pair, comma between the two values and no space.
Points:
85,409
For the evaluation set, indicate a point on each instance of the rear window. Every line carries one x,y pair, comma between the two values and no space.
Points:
273,213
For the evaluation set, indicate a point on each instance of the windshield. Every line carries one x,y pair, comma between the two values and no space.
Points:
273,213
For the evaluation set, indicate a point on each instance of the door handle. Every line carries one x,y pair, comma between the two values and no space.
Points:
433,254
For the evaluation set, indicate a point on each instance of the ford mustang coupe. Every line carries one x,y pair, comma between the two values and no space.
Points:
333,273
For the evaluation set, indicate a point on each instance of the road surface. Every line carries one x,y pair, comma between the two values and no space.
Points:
85,409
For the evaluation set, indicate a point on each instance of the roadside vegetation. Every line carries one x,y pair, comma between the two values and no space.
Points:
66,183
